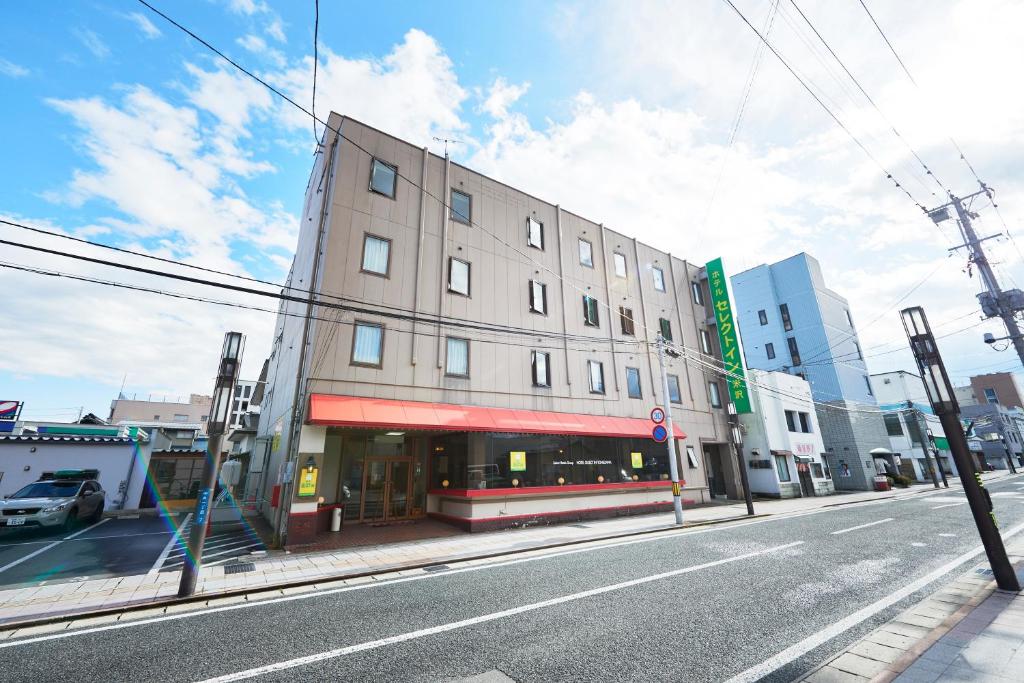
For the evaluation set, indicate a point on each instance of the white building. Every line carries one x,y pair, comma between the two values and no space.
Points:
241,405
911,425
782,440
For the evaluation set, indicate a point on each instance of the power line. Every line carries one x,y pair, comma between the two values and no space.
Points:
886,39
824,106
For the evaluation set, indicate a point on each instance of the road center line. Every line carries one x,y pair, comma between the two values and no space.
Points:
794,652
949,505
862,526
162,557
443,628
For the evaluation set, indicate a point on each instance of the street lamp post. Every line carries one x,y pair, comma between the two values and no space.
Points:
216,424
944,404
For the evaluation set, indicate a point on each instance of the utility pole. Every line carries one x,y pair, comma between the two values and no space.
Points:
673,466
995,302
935,454
922,428
216,425
943,400
736,443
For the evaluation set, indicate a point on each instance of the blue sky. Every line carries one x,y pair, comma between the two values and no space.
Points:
125,131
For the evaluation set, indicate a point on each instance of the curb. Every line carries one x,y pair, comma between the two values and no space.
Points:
167,602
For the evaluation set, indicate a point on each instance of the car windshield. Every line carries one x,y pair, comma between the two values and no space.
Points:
49,489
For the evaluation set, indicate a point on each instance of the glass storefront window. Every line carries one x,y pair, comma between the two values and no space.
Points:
448,454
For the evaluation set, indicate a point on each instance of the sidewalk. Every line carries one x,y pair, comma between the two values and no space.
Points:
966,631
20,606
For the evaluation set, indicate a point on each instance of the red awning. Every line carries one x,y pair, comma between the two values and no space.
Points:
378,413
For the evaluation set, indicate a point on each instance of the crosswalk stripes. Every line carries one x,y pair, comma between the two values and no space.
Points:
222,546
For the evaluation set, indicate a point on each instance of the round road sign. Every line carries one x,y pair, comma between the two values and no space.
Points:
658,415
659,433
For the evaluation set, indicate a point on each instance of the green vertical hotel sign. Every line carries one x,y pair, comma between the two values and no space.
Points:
727,337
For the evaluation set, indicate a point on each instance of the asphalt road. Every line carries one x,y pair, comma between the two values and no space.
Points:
113,547
703,605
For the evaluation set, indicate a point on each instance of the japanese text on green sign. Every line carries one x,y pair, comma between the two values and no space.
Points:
727,337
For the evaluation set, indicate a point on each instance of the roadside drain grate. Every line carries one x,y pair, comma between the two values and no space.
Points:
239,567
436,568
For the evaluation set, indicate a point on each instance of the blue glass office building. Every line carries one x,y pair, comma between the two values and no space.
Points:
791,322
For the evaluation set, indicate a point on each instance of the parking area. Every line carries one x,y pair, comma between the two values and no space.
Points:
114,547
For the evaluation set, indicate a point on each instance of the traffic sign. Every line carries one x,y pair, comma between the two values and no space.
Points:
659,433
658,415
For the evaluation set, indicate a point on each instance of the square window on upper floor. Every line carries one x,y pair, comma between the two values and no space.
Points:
383,178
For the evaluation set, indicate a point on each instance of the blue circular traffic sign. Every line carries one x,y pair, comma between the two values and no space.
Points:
659,433
658,415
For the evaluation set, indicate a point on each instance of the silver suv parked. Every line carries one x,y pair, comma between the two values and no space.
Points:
58,499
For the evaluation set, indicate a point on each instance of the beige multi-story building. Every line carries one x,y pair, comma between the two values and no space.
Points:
488,362
161,413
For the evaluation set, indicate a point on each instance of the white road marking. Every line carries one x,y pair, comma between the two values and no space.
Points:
54,544
919,545
948,535
167,548
794,652
949,505
443,628
862,526
223,552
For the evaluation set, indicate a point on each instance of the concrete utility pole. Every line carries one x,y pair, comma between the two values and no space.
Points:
736,443
673,466
935,454
943,400
995,302
922,427
216,425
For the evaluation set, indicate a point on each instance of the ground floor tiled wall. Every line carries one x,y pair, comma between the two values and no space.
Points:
850,432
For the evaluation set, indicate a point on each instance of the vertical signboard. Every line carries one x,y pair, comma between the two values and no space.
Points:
728,337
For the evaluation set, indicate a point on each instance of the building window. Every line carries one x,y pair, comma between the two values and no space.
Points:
462,207
633,382
691,458
659,278
538,297
893,424
769,348
783,467
716,397
383,177
596,372
762,317
794,351
849,318
376,255
787,323
590,316
673,389
626,318
856,347
457,364
541,363
458,276
805,422
698,293
791,420
990,396
534,233
586,253
620,264
368,344
666,328
867,383
705,342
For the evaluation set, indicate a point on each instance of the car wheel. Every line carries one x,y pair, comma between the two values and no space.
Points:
71,520
98,515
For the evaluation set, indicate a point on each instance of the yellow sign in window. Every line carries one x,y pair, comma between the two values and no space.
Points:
307,480
517,461
638,460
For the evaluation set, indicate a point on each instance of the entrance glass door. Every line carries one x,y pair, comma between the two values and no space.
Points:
386,489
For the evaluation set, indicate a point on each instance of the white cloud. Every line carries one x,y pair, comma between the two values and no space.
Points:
8,68
259,47
92,42
149,30
275,29
247,7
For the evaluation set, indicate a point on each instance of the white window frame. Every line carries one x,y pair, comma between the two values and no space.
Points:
620,259
447,357
593,365
659,276
596,321
698,293
469,273
679,390
589,262
639,387
532,223
367,236
705,342
538,305
394,178
715,394
537,380
355,338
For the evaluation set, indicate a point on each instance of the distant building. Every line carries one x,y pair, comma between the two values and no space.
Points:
911,425
1000,431
196,411
791,322
995,387
782,442
241,404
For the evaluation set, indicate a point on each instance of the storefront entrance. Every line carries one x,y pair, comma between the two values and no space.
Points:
387,489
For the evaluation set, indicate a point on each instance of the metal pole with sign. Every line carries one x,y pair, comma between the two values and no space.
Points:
944,404
736,439
673,466
216,424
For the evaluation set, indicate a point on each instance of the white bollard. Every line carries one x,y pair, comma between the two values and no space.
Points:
336,519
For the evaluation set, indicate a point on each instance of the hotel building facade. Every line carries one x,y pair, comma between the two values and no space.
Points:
476,355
